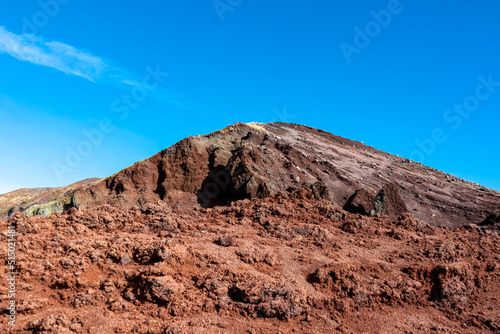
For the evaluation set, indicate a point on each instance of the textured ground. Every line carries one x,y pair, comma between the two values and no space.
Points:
243,231
284,264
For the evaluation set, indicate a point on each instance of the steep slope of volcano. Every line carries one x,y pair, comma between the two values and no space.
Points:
255,160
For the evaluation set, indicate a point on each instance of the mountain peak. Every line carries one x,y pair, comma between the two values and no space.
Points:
255,160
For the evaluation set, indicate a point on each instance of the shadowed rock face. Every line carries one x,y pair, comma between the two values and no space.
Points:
362,202
256,160
491,222
387,202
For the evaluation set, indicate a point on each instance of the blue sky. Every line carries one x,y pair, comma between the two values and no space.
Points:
89,87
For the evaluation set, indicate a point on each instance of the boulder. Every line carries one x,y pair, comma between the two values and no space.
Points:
360,202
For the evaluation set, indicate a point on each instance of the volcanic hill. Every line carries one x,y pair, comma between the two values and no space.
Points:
258,228
256,160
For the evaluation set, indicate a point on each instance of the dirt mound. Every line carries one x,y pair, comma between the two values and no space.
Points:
241,231
286,263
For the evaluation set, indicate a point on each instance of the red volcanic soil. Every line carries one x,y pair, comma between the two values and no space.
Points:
274,228
288,263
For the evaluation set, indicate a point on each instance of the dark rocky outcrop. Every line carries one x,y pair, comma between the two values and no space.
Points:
388,202
491,222
362,202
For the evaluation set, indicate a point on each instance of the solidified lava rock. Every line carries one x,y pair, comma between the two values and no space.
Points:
320,191
159,289
491,222
388,202
362,202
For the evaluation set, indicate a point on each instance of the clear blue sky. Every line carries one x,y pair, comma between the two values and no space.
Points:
65,69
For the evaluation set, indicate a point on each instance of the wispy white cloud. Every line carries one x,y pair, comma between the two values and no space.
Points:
60,56
72,61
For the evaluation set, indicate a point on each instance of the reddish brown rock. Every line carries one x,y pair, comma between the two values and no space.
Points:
491,222
362,202
388,202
